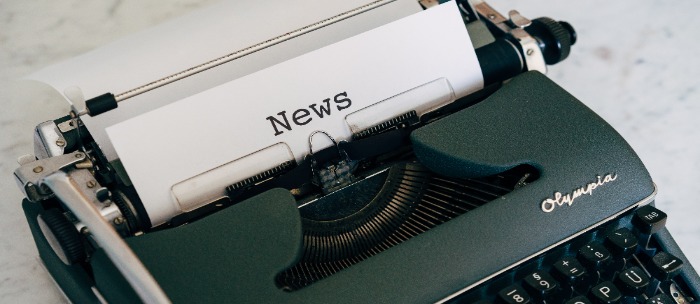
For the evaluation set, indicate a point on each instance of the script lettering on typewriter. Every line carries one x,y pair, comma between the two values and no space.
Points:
303,116
560,199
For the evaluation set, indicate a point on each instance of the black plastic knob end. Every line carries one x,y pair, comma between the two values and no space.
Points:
555,38
101,104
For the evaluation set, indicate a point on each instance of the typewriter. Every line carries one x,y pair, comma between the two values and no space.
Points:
453,202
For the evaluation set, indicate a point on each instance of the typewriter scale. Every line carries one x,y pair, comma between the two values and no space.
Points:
403,212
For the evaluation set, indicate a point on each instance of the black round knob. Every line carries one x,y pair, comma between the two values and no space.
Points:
555,38
62,236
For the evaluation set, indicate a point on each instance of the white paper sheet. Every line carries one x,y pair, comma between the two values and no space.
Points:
225,123
199,37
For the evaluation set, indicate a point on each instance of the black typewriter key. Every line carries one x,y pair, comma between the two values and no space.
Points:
605,292
594,255
579,300
569,271
660,299
633,281
540,284
622,242
649,219
665,266
513,294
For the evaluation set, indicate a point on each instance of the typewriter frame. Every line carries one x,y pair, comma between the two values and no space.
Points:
539,98
530,93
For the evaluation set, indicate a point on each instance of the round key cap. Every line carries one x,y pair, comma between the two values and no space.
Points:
665,266
513,294
540,284
605,292
648,219
632,280
568,270
594,256
622,242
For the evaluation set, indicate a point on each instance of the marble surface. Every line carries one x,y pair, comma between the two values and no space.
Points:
635,64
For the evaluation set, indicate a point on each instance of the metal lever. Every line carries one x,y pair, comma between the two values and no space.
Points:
118,251
514,25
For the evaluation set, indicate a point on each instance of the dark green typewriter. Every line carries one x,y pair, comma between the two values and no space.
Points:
513,193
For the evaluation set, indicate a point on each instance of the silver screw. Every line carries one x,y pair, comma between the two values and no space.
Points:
91,184
79,155
119,221
492,16
60,142
38,169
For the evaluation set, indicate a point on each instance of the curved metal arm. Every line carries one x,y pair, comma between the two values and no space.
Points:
64,187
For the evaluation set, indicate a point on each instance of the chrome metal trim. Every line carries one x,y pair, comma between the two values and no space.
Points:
643,202
98,295
114,246
534,59
48,140
30,174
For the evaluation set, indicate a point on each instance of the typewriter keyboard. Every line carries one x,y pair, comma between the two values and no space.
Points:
619,262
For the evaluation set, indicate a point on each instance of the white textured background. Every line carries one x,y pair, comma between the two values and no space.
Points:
635,64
